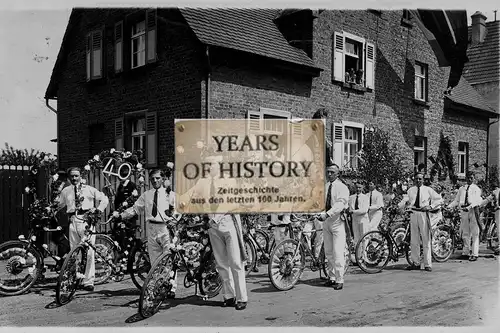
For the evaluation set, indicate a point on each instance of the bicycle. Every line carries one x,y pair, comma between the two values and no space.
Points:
73,268
26,253
376,248
194,255
285,267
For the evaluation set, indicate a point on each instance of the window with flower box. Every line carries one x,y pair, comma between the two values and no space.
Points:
138,131
353,60
347,143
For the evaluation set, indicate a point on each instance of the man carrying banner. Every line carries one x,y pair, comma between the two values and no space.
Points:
468,199
334,230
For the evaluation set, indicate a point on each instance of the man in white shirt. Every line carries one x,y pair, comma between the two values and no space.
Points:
420,199
376,205
468,198
78,199
334,230
158,205
358,206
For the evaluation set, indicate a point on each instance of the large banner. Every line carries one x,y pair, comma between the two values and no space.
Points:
244,166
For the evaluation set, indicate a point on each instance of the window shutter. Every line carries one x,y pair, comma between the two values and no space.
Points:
466,157
338,57
119,133
338,143
254,121
88,54
97,55
151,35
119,47
151,139
370,66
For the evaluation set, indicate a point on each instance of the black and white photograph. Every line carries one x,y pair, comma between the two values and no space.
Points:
222,166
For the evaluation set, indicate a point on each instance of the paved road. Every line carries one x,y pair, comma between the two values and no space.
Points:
456,293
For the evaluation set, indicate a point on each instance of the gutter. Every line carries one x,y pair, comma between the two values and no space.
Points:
57,126
207,85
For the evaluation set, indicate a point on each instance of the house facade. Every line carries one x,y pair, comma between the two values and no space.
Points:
124,75
483,73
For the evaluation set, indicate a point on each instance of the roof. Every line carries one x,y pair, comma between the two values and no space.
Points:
464,94
247,30
484,58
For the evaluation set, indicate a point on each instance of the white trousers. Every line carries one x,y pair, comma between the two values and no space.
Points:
419,229
334,236
470,229
224,241
318,240
158,243
76,233
375,216
360,226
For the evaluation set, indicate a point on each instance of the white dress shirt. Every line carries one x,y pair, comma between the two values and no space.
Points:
145,204
339,197
428,197
363,203
377,202
474,196
89,194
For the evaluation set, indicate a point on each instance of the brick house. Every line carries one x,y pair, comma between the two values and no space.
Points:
483,72
123,75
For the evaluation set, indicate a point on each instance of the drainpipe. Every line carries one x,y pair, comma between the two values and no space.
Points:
57,126
207,85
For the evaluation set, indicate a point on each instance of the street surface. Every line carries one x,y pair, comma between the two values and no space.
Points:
456,293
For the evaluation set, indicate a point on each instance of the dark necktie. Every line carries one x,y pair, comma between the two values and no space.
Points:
417,199
466,202
329,198
356,204
155,204
371,193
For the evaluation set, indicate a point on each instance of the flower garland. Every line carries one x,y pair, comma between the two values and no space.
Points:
38,210
121,156
42,160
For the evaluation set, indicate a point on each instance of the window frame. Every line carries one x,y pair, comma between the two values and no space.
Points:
422,150
465,155
137,36
90,55
424,78
137,134
339,142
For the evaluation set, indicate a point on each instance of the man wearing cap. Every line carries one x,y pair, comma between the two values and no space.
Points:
334,230
420,199
375,206
158,204
468,198
78,199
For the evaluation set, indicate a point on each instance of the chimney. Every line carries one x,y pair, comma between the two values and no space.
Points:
478,27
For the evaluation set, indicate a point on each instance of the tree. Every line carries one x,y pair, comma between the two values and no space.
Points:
380,161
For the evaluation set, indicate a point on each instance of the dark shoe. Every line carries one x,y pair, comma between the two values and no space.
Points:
463,257
88,288
241,306
428,269
170,295
412,268
338,286
472,258
330,283
229,302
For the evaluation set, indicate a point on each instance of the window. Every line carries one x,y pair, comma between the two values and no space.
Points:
421,82
135,40
138,44
94,55
463,158
420,154
138,131
347,143
254,123
353,60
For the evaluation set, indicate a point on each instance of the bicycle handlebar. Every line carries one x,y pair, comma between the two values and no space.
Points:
52,230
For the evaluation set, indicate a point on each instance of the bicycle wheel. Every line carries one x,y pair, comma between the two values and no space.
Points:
157,285
262,239
373,252
105,253
322,260
72,272
210,283
442,243
251,256
493,236
17,257
139,264
399,234
284,270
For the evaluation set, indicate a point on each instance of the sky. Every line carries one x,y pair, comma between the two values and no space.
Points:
31,34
